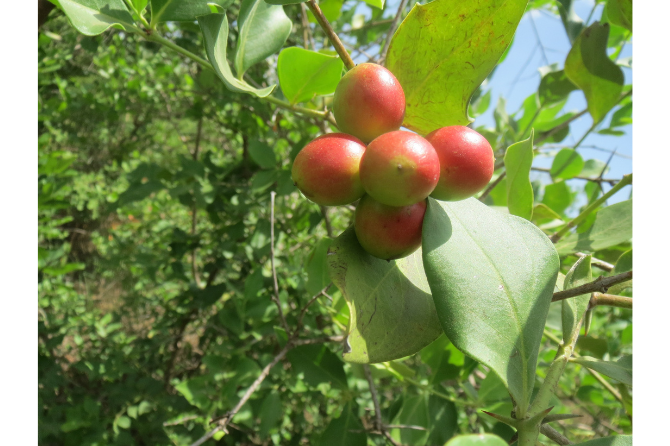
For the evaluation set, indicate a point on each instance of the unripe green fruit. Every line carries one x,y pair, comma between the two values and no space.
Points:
368,102
389,232
327,169
399,168
466,162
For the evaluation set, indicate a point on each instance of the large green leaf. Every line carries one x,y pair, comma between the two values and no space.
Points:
317,267
215,32
573,309
589,67
518,160
183,10
304,74
492,276
567,164
613,225
620,12
392,311
449,43
619,440
557,196
92,17
345,430
477,440
271,413
621,370
263,29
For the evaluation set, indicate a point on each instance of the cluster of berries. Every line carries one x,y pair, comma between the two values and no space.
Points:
393,176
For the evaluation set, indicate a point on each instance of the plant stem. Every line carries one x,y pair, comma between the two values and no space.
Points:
625,181
600,284
492,186
610,300
275,298
330,33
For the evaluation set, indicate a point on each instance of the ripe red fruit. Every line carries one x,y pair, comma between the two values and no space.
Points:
327,169
389,232
466,162
368,102
399,168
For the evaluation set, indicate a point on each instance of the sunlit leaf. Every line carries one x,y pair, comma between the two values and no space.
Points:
589,67
476,440
492,276
449,42
567,164
620,12
263,29
518,160
304,74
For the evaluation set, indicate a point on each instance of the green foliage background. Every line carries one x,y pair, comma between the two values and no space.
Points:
155,284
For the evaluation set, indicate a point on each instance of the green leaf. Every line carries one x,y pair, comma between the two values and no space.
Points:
331,9
621,370
392,314
262,154
263,179
619,440
571,22
620,12
304,74
271,413
317,267
449,42
123,422
437,416
138,192
480,106
215,32
624,263
491,308
339,430
567,164
379,4
554,86
589,67
139,5
518,160
319,365
284,2
477,440
613,225
573,309
92,17
183,10
557,196
592,168
263,29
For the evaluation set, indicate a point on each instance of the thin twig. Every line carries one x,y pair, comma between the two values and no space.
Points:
554,435
560,127
194,211
223,422
311,301
275,297
306,30
394,26
601,284
610,300
611,181
492,186
378,413
330,33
